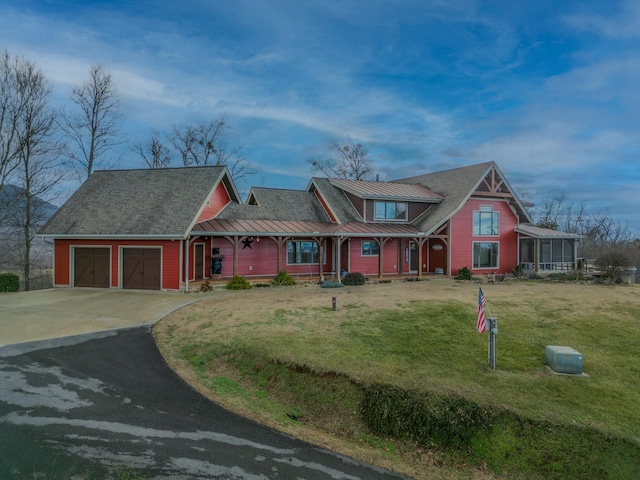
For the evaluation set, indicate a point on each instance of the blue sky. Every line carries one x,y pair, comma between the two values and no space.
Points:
549,90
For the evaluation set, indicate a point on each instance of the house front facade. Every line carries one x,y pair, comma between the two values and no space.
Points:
161,229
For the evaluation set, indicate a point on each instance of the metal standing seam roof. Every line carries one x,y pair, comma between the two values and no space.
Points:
291,228
149,203
387,190
545,233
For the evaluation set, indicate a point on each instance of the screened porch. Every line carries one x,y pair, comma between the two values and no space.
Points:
546,250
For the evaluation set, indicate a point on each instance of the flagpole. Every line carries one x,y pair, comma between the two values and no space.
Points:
491,338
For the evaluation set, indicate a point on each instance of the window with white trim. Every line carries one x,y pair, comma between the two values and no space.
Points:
304,252
486,222
370,248
390,210
485,254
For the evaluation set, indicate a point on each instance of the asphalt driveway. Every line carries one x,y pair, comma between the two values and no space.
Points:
61,312
91,405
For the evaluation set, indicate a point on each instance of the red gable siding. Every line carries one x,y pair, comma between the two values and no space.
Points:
325,206
217,202
462,237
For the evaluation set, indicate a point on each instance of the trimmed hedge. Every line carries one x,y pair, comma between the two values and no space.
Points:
9,282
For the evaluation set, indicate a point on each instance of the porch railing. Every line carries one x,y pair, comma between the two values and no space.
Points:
548,266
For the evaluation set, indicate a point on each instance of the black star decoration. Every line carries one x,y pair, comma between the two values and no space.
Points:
247,243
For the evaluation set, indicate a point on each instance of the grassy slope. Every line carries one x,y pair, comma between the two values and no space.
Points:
416,336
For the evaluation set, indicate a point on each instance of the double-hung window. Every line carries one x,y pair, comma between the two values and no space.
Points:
486,222
390,210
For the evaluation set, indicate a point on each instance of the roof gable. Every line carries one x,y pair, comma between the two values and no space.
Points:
457,185
143,203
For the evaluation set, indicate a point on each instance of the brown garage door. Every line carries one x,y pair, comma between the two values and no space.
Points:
91,267
141,268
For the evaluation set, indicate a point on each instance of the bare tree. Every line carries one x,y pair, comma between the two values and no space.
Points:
95,129
154,153
37,153
347,160
195,145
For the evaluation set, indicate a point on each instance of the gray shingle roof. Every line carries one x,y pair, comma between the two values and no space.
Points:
455,186
277,204
151,203
338,202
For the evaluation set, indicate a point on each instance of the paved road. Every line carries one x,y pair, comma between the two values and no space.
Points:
80,407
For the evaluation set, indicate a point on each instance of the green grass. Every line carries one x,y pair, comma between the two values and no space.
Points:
316,365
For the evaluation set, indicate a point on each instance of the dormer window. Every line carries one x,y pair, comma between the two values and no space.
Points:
391,210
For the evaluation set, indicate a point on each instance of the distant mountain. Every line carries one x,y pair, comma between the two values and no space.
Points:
12,202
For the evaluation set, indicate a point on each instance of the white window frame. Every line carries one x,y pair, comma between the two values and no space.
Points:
373,245
495,221
388,219
324,252
476,266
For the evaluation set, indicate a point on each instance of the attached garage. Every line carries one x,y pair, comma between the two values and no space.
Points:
91,267
141,268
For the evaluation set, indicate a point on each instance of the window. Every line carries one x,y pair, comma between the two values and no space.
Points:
486,221
391,210
370,248
302,252
485,255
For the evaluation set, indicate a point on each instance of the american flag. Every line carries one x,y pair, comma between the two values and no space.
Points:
481,324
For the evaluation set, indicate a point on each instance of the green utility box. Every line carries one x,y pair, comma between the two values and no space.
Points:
563,359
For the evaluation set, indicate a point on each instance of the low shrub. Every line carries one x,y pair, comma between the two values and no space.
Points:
353,278
9,282
283,279
464,274
331,285
238,282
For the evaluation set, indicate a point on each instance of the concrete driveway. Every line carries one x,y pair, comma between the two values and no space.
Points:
62,312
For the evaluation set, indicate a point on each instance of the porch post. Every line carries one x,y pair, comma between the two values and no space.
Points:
420,243
536,253
320,242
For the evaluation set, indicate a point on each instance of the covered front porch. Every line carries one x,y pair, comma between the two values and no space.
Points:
546,250
259,249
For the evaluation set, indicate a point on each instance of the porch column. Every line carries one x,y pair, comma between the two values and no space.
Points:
280,242
234,241
536,254
338,257
420,243
320,242
381,241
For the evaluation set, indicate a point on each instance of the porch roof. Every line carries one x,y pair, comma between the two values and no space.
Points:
300,228
545,233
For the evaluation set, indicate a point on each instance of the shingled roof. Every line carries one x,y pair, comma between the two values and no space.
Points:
455,186
150,203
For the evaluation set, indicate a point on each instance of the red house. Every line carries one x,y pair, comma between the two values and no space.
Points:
163,228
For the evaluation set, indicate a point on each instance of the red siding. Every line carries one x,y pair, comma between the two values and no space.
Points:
170,259
368,264
262,258
218,200
462,237
324,205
